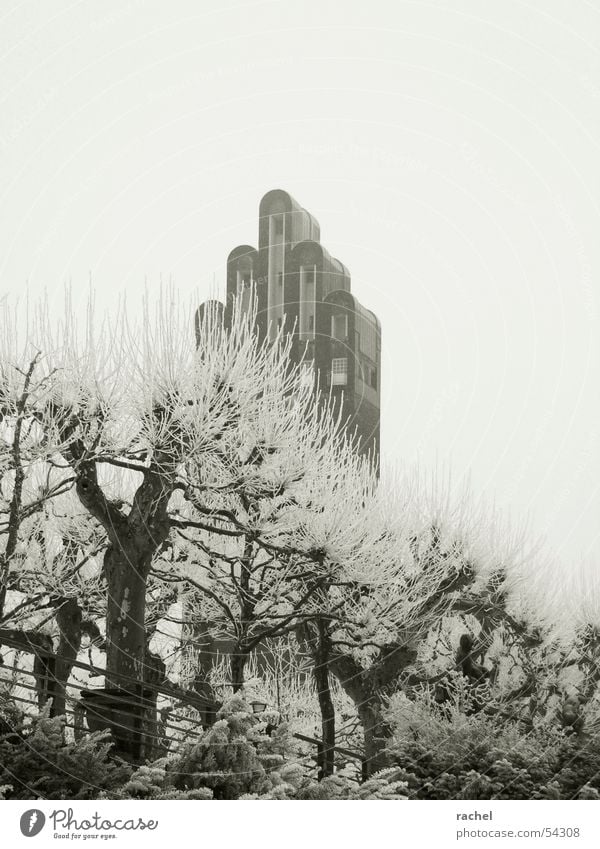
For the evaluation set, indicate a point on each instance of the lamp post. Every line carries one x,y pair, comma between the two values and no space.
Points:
259,707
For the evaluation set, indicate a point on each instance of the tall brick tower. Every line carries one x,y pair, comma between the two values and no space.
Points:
303,289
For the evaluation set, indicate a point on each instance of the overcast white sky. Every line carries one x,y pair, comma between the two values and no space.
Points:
449,150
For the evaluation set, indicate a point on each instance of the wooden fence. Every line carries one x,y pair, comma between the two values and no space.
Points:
146,721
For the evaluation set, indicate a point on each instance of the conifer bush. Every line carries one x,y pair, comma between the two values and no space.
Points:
433,756
480,757
37,763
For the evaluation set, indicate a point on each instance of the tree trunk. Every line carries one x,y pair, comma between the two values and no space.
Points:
238,660
155,674
134,539
369,708
68,617
42,649
239,656
375,734
321,673
366,688
126,573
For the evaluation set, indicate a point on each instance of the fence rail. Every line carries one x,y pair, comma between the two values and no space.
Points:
167,690
148,734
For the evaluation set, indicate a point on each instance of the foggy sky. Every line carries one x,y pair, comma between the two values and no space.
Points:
449,151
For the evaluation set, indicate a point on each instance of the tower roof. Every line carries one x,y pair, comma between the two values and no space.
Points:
304,225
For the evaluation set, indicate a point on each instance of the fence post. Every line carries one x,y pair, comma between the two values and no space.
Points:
320,761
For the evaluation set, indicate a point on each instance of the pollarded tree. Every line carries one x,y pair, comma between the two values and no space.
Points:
57,594
437,560
250,571
29,489
28,483
174,417
341,522
281,512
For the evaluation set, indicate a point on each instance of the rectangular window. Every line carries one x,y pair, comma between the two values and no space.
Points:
373,380
275,271
307,305
339,327
307,373
339,371
244,281
244,288
367,330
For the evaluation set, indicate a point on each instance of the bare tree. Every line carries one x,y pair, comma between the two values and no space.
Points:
145,427
433,557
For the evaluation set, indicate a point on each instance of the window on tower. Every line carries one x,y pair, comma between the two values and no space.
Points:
307,373
307,304
339,371
243,282
339,327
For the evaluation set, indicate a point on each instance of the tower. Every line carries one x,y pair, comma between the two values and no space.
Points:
303,289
